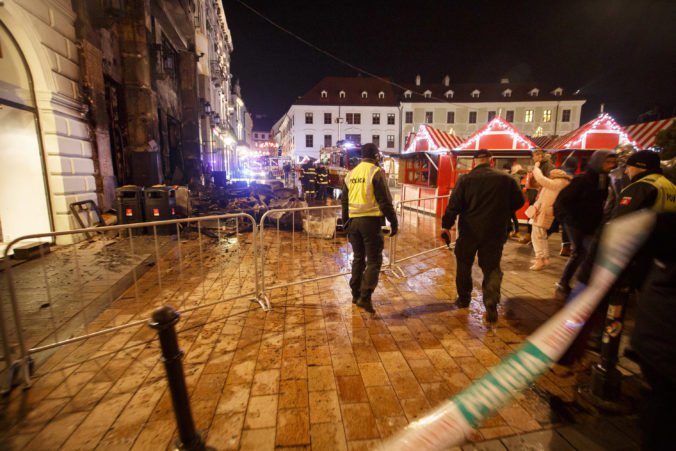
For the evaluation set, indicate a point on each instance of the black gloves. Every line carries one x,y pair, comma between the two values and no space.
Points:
446,236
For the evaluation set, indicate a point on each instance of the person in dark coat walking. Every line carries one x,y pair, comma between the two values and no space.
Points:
366,203
580,206
485,200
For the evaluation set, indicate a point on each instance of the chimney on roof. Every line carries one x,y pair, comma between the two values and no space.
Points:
447,80
417,80
504,81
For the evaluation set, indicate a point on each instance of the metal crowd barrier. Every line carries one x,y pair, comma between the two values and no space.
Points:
198,262
419,228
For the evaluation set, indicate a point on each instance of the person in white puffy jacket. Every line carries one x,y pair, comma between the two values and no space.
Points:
544,216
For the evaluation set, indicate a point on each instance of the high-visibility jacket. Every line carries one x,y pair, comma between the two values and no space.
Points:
361,197
666,192
322,176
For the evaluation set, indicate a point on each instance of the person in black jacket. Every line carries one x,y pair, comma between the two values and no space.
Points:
654,337
580,207
485,200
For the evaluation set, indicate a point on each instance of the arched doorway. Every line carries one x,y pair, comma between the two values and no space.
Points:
24,205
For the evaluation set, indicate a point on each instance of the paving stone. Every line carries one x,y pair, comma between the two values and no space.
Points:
547,439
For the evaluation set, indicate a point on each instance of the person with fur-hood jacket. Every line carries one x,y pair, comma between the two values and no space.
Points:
580,207
544,216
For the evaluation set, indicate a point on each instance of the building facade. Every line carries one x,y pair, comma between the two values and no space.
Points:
95,95
461,109
340,109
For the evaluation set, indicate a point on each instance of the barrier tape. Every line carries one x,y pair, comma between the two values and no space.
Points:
452,423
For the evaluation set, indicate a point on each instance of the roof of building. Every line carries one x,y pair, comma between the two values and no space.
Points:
498,134
485,92
602,133
366,91
645,133
438,139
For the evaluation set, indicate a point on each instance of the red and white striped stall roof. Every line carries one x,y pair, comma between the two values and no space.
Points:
498,134
645,133
602,133
430,138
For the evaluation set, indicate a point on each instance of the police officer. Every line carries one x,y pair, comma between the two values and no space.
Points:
322,181
366,202
648,188
485,200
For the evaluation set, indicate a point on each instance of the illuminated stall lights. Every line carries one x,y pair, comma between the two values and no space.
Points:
602,124
494,127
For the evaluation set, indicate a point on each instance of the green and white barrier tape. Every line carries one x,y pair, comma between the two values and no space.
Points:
451,423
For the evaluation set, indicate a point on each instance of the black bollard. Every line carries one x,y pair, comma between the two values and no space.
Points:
163,320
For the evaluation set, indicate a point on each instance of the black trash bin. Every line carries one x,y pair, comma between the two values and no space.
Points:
160,205
130,206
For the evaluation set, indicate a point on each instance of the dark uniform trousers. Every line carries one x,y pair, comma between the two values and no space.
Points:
490,253
367,240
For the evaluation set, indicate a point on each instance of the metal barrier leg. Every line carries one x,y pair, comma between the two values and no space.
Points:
163,320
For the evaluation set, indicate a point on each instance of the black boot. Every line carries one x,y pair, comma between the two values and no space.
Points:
365,303
463,301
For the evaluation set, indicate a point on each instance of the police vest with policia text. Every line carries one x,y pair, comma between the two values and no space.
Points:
361,198
666,192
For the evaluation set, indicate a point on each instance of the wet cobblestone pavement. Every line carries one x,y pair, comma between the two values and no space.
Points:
315,372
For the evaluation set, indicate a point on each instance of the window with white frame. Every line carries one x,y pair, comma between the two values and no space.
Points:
327,140
341,94
324,94
558,92
308,118
507,93
390,141
308,141
364,95
427,94
327,118
375,139
547,116
375,119
353,118
476,93
407,94
381,95
450,117
472,117
565,116
390,118
528,117
509,116
408,117
534,92
491,115
429,117
449,94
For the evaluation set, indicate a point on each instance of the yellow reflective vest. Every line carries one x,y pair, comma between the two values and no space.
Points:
361,198
666,192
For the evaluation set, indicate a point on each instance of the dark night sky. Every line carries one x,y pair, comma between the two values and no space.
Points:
619,52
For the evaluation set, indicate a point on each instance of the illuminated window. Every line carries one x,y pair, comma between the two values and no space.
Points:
390,118
376,119
547,116
565,116
529,116
409,117
472,117
308,141
510,116
327,118
429,117
491,115
308,118
450,117
375,139
390,141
